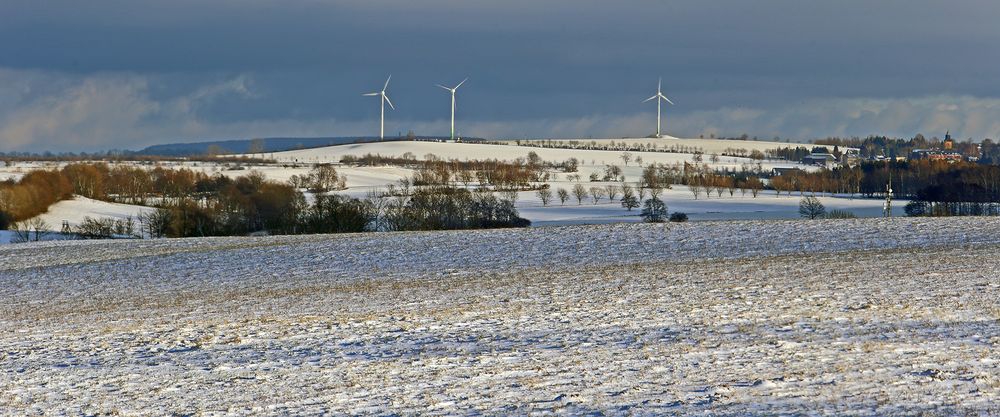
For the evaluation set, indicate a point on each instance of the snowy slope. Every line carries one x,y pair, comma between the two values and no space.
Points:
74,211
860,317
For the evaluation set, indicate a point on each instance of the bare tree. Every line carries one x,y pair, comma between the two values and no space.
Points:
404,186
755,185
509,195
628,198
23,230
563,196
39,226
466,177
580,193
596,194
612,191
626,157
377,206
811,208
154,224
544,194
655,192
22,233
323,178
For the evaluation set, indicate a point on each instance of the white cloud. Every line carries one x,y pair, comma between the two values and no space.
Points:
965,116
99,112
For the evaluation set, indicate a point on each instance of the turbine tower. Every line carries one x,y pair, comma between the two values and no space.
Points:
658,97
452,90
385,99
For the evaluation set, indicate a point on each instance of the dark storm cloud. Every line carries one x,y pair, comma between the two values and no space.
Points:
188,69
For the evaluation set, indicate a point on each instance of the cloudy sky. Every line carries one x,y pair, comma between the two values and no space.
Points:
124,74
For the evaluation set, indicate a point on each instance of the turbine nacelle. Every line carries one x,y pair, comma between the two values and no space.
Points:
455,88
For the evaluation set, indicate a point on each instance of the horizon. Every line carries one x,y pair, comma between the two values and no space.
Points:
375,139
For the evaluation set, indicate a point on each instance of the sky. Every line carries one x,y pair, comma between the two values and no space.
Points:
103,74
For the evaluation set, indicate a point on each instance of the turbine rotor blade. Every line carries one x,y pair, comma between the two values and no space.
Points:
388,101
650,99
386,83
446,88
667,99
371,94
463,82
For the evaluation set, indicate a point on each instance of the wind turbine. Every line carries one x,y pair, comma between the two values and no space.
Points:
452,90
658,97
385,99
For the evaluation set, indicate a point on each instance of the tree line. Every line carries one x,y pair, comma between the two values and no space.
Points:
939,188
191,203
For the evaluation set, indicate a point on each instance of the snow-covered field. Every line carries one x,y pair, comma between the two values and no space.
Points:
767,206
738,207
843,317
362,179
76,210
476,151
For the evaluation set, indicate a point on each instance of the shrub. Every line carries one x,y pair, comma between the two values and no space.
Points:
106,228
840,214
916,208
449,208
678,217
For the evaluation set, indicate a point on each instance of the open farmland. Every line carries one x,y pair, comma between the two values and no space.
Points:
853,317
362,181
588,157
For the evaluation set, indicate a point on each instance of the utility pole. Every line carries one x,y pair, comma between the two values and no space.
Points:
888,194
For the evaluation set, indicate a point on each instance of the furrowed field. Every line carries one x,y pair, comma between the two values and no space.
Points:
846,317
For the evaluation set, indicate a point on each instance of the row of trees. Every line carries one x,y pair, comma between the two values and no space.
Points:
935,188
518,174
799,152
280,209
195,204
927,180
624,146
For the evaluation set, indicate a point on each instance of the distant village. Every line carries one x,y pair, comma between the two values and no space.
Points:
821,155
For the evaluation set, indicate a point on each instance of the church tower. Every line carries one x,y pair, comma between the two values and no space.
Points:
948,144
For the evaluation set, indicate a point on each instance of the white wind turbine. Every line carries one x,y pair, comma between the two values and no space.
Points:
658,97
385,99
452,90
